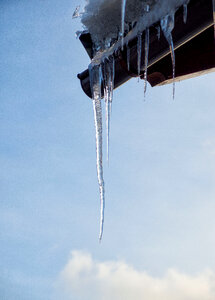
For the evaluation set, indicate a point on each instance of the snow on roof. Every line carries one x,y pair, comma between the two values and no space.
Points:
102,18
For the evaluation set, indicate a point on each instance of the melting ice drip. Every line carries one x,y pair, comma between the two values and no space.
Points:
139,52
101,70
167,25
95,82
108,82
185,13
139,56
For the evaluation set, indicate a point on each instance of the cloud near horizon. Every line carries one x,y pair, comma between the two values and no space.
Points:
86,279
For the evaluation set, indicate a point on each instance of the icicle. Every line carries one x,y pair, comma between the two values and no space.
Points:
108,75
76,13
139,51
95,83
106,83
123,21
112,76
112,73
185,13
167,25
146,59
128,56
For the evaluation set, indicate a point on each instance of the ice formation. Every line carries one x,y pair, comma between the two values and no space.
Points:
185,13
146,59
95,82
112,24
139,51
104,18
167,25
108,79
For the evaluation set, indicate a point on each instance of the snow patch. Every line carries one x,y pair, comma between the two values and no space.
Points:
103,18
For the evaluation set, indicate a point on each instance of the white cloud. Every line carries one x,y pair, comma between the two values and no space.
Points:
86,279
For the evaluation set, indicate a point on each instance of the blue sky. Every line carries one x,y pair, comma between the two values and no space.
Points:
160,192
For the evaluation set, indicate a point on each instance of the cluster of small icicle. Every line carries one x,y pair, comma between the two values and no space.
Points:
102,66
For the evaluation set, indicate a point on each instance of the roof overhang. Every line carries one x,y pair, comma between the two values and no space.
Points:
194,45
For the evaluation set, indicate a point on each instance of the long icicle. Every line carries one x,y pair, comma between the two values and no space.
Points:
167,25
173,65
139,51
110,99
112,79
123,22
95,83
108,82
146,59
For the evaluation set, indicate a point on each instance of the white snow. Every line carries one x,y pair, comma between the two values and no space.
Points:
103,18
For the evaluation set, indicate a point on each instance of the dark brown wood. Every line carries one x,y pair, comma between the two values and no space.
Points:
194,58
